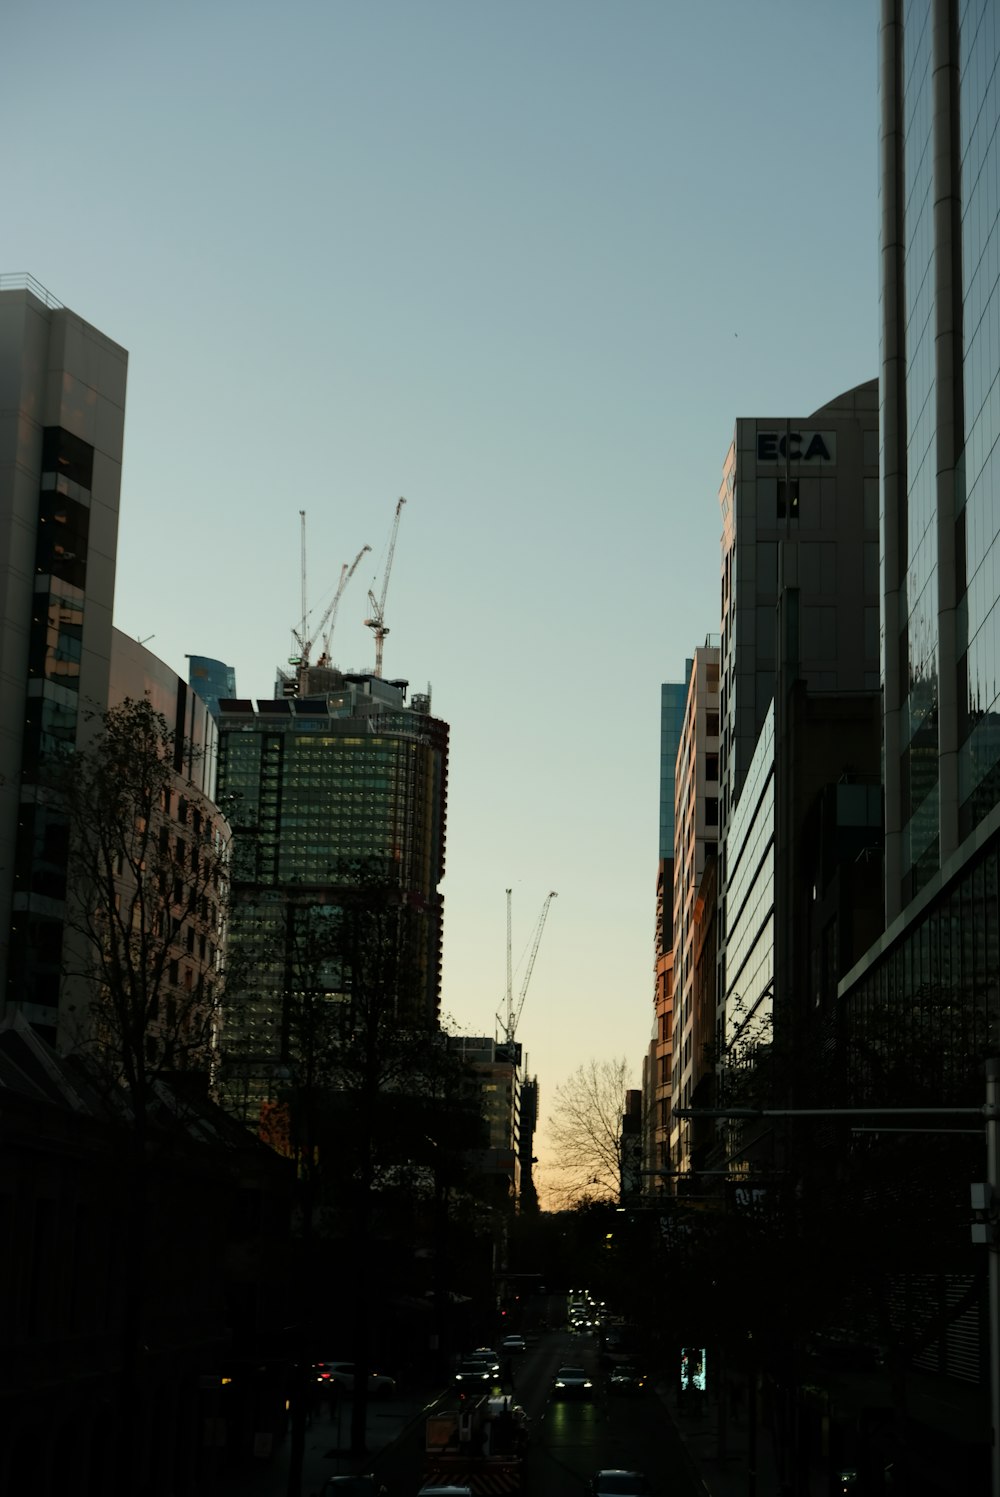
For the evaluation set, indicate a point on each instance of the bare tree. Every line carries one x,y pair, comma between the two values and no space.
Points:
585,1130
147,889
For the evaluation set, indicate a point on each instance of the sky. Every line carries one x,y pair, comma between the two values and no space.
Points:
522,262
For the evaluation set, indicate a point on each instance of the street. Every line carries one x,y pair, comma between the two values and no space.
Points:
571,1440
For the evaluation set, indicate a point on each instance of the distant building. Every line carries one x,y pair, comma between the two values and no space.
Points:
696,823
213,680
496,1066
60,478
526,1141
657,1065
323,790
630,1144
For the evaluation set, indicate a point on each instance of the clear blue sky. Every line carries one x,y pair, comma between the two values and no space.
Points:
523,263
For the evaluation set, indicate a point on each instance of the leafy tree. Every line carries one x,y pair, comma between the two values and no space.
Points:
585,1130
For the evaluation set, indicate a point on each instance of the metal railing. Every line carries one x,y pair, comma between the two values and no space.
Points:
21,281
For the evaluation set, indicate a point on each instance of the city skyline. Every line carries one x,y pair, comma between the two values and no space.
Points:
527,271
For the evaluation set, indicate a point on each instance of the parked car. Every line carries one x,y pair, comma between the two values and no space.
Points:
341,1375
513,1344
616,1483
572,1382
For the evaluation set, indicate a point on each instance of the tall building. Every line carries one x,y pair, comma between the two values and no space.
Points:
496,1066
800,577
213,680
941,420
318,787
696,821
673,702
657,1065
936,968
62,418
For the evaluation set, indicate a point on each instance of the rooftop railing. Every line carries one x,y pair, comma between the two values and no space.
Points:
21,281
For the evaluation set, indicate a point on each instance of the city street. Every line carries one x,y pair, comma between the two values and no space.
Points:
571,1440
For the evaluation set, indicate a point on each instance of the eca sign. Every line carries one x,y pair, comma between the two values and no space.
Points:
796,446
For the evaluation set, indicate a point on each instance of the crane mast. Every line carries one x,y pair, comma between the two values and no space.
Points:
303,635
376,623
513,1016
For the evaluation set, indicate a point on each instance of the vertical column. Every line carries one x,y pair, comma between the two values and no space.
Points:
949,411
893,436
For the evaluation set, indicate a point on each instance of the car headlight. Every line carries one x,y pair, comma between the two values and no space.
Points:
588,1384
560,1383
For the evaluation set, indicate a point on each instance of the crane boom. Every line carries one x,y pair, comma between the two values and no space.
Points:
513,1016
377,605
329,619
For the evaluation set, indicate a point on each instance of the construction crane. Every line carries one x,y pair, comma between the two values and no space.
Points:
377,605
329,619
514,1015
303,635
299,634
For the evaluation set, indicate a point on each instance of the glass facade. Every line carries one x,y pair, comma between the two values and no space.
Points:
747,974
919,760
979,478
320,793
934,998
51,716
673,696
213,680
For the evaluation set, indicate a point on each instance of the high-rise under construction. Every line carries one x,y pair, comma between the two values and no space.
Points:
342,784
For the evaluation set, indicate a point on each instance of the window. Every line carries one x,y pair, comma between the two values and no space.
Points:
788,498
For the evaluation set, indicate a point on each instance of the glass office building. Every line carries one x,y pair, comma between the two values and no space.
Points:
213,680
318,788
940,178
673,700
929,988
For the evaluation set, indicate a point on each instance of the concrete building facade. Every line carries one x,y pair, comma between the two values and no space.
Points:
800,593
62,420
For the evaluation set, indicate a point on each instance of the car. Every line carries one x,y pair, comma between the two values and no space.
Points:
572,1382
617,1483
474,1372
364,1484
513,1343
341,1375
624,1378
